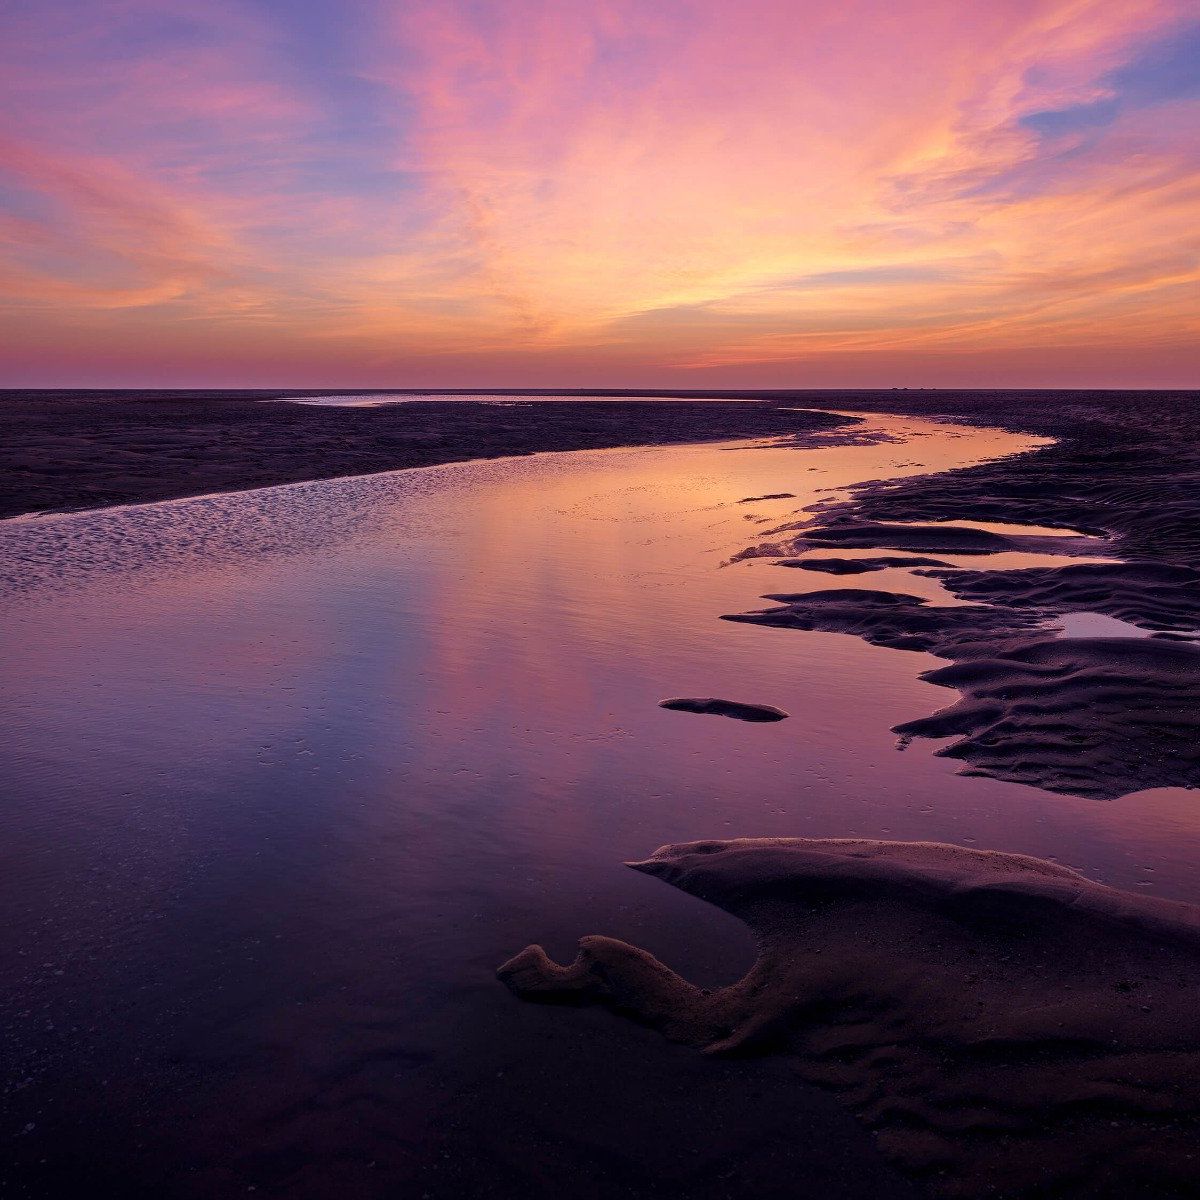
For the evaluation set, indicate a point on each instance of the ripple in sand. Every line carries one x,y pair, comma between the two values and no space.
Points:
1001,1024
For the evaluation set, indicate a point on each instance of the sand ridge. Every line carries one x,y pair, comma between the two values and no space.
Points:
858,566
1087,716
1003,1025
1157,596
896,620
713,706
844,531
1094,717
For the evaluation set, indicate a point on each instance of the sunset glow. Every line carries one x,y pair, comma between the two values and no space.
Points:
621,193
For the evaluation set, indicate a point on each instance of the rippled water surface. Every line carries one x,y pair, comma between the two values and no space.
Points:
289,772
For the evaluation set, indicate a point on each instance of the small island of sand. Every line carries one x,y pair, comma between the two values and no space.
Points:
1002,1024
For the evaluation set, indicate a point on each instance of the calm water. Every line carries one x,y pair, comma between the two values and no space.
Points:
290,772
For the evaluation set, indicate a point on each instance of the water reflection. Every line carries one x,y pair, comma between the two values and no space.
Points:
289,772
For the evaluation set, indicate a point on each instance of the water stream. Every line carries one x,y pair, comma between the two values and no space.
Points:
289,772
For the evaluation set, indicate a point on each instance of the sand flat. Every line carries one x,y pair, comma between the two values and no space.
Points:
1001,1024
418,713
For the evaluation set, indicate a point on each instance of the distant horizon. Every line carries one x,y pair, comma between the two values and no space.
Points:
656,391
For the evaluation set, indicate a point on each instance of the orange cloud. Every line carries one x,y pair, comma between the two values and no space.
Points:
618,192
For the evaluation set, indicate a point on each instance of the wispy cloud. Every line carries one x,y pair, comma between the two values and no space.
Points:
457,190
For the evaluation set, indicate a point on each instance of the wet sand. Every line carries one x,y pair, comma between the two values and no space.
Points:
289,771
1094,717
1126,464
61,451
954,1102
1002,1025
715,707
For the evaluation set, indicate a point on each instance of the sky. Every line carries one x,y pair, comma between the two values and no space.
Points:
610,193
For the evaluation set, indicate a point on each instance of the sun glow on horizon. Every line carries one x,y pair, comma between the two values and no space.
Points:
533,193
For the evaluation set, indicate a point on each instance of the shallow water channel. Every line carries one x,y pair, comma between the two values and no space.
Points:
289,772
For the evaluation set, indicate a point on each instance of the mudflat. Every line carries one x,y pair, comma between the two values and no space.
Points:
68,450
1002,1025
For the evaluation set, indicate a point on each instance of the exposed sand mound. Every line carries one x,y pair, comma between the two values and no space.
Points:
1154,595
1096,717
711,706
1127,464
1126,468
858,566
842,528
1003,1025
898,621
933,539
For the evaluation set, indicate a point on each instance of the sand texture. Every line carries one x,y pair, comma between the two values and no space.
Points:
71,450
1156,596
858,566
896,620
1093,717
1096,717
1088,716
1002,1025
712,706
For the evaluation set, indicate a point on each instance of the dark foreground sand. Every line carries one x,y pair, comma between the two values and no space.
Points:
1094,717
1126,464
714,707
70,450
1001,1024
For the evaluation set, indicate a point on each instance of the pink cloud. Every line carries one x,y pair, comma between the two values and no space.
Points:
608,191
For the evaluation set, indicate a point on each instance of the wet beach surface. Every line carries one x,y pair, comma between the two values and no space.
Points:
61,451
291,771
1003,1025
